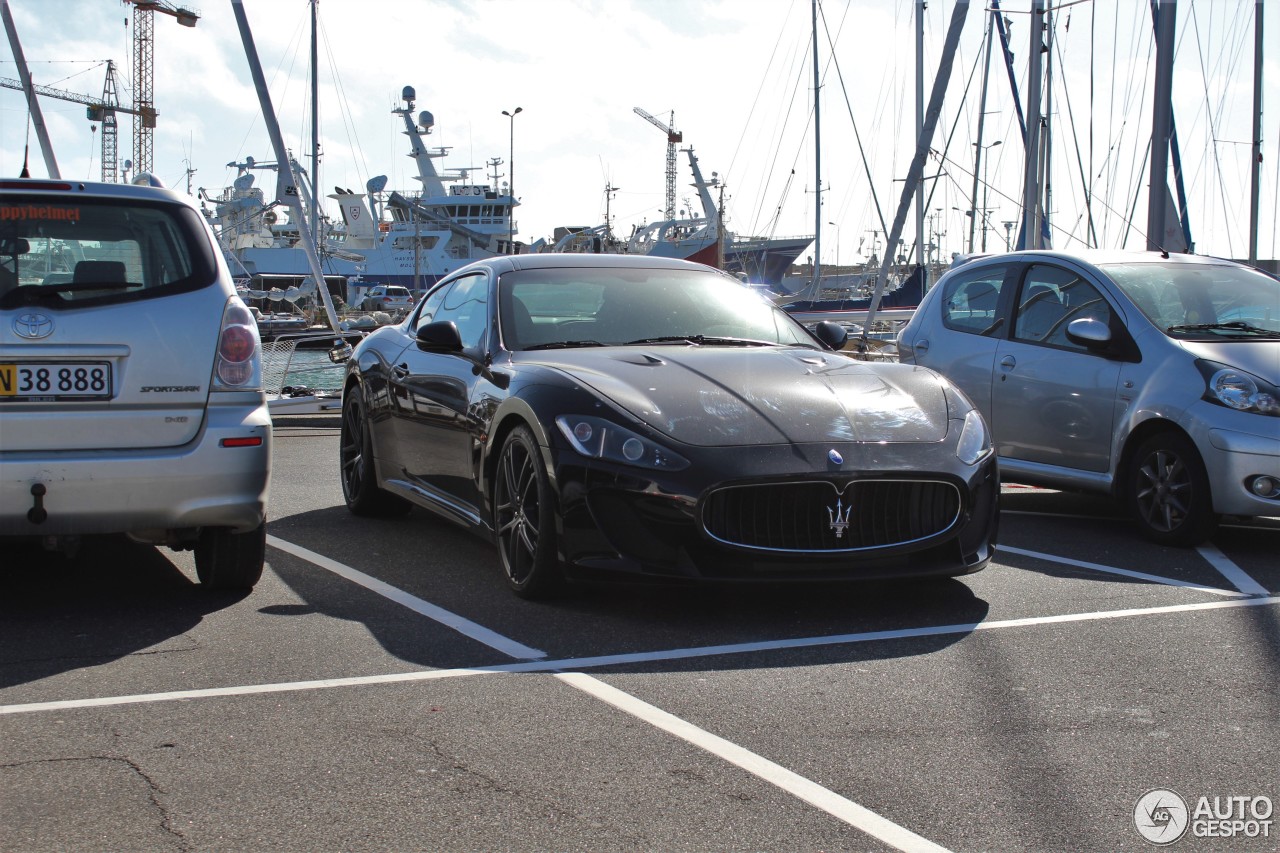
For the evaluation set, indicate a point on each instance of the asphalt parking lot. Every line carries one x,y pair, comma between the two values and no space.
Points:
382,690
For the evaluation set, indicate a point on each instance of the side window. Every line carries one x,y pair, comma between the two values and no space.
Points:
1051,298
971,300
467,305
430,306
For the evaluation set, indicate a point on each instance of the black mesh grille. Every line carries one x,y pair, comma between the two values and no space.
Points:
803,516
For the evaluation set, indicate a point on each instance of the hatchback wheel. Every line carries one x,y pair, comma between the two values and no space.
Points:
226,560
524,517
355,456
1168,491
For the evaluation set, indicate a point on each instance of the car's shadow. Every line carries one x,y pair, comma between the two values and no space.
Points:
112,599
458,571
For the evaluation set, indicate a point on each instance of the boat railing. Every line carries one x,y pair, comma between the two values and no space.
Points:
310,363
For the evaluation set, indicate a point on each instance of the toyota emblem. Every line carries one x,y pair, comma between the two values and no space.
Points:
33,325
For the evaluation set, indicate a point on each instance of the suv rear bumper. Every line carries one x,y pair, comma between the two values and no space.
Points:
159,489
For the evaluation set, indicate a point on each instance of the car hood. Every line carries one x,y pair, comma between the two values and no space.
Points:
1261,358
719,396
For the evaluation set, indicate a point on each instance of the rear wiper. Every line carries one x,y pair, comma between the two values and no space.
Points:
1233,326
563,345
30,294
703,340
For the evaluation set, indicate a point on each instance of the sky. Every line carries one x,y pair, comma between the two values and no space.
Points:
736,76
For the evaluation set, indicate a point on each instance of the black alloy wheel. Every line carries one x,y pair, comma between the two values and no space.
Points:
1168,491
355,456
524,519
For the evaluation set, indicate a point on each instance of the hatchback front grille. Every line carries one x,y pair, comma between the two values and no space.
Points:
817,516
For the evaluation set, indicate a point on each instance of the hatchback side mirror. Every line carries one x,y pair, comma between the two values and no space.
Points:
440,336
1090,333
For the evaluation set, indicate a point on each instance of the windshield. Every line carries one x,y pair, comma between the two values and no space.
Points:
612,306
1203,301
63,252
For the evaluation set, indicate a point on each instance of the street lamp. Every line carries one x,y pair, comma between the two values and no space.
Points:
837,226
986,190
511,181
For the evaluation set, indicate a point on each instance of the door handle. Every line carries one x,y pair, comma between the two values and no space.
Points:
921,345
1007,364
400,371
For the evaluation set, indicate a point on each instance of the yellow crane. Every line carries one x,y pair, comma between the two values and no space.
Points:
144,73
674,138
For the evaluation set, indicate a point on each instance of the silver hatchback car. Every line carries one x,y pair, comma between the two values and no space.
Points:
131,393
1148,376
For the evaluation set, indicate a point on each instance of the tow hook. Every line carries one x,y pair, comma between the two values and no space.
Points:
38,514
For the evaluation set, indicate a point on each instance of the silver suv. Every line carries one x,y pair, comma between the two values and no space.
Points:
131,393
1148,376
387,297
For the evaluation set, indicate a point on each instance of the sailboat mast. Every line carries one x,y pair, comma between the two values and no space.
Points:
1161,122
817,158
920,6
1256,171
974,210
315,135
1031,170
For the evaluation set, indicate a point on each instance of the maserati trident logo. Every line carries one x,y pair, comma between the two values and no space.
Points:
839,517
33,325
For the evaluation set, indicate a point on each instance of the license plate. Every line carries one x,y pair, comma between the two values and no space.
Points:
55,380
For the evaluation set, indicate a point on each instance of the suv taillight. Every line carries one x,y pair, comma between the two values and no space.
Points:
239,359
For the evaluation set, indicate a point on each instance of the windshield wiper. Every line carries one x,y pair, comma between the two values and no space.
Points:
1233,326
564,345
703,340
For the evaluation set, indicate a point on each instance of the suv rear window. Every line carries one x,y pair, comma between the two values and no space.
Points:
64,251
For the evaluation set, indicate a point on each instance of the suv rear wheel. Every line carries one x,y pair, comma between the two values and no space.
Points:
226,560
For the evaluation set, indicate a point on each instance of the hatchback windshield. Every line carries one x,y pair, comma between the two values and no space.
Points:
62,252
609,306
1202,301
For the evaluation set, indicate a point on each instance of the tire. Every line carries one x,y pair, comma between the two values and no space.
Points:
226,560
1167,491
524,519
355,459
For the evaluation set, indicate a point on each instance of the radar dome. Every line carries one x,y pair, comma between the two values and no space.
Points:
426,120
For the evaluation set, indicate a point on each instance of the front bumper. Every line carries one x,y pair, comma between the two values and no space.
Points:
620,520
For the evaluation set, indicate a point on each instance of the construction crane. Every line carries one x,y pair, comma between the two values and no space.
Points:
674,138
144,73
101,110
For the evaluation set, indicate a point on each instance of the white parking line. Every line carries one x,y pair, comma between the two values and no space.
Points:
1231,571
1112,570
633,658
830,802
463,626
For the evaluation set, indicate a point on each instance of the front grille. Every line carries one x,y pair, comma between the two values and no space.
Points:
811,516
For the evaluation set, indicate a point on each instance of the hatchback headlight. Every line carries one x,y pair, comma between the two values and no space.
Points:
597,438
1239,390
975,441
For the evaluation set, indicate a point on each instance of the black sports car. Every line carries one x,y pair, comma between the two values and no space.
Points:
609,413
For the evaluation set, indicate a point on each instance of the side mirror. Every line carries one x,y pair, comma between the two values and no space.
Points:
833,335
1090,333
440,336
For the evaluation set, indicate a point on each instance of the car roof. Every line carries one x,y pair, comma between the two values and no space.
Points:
93,189
1096,257
557,260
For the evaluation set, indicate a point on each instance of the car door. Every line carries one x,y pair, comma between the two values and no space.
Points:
439,394
1052,400
959,340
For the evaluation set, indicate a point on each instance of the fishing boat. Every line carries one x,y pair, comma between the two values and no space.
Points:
411,239
704,239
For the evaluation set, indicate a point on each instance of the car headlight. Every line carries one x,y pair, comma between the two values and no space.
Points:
597,438
1236,389
975,441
